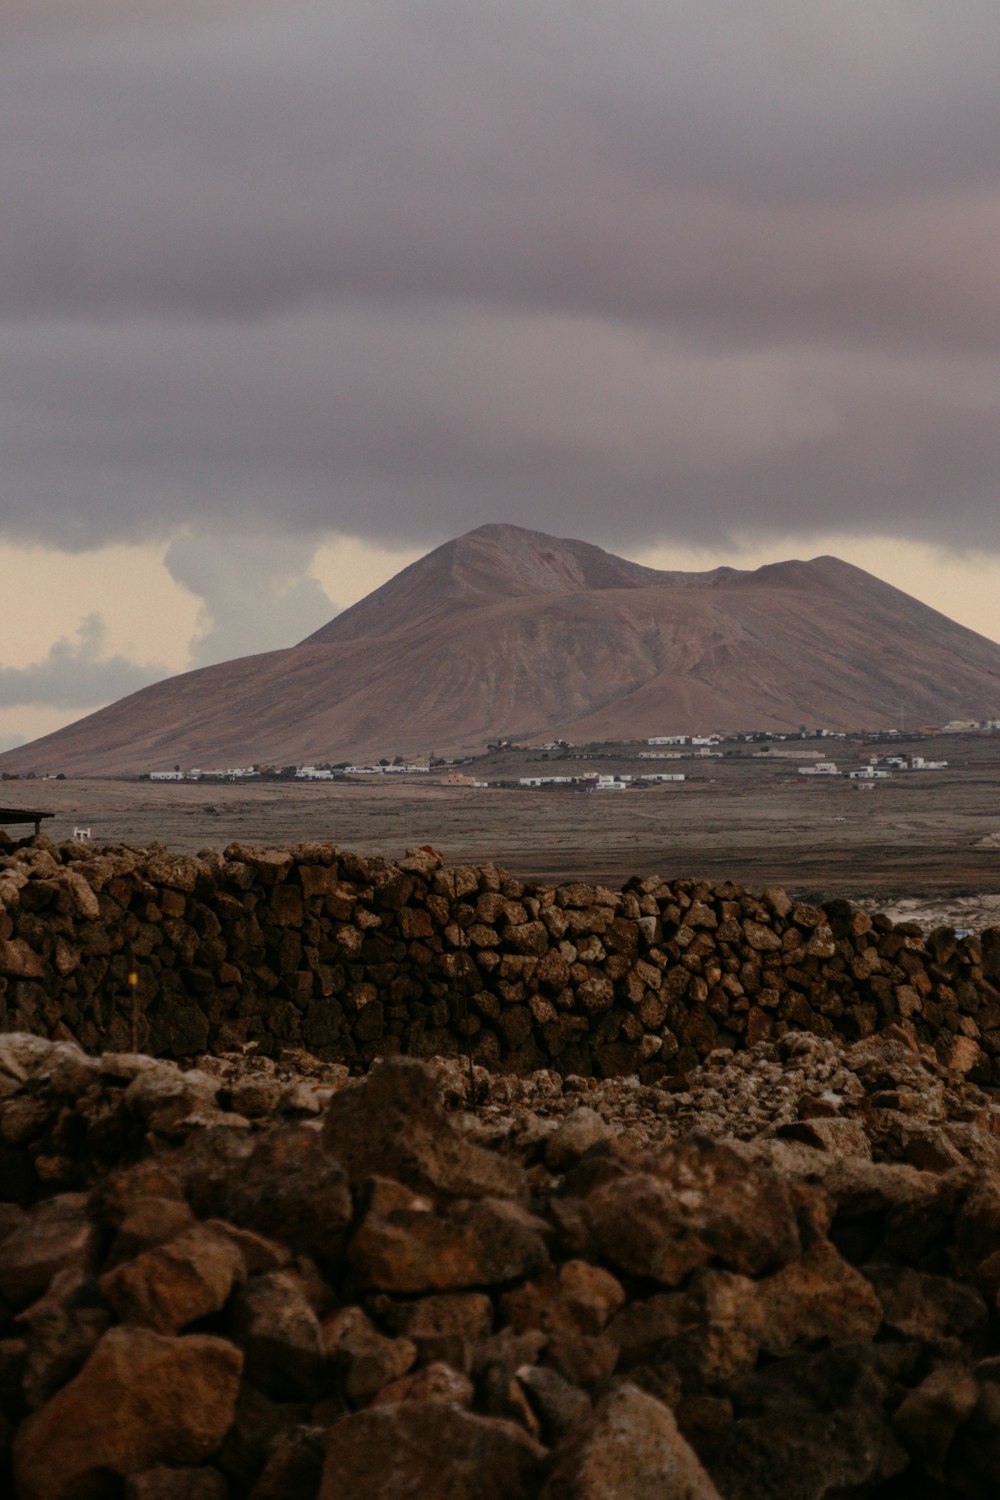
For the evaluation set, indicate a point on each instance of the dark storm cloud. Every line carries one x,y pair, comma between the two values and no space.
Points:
637,271
75,673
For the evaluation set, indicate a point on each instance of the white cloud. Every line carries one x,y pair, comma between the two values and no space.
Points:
76,673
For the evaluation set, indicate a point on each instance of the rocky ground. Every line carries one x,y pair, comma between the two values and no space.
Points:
776,1276
963,913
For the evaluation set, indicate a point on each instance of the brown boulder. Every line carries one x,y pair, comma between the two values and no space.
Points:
812,1426
174,1284
925,1307
430,1449
59,1332
140,1400
293,1466
394,1125
365,1359
978,1227
56,1235
558,1404
927,1420
629,1449
436,1382
578,1298
469,1315
694,1202
574,1136
19,961
817,1297
276,1327
479,1243
290,1190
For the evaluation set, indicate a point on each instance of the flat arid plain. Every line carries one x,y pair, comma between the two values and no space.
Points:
918,843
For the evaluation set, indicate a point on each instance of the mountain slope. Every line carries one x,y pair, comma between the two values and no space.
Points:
507,632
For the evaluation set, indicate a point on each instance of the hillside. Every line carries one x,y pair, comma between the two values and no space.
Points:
512,633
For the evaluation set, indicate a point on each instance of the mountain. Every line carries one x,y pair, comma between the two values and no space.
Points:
511,633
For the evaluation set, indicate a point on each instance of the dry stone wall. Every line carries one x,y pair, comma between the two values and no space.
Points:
353,957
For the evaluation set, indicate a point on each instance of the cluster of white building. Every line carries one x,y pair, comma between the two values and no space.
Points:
230,773
406,768
879,767
706,740
597,782
302,773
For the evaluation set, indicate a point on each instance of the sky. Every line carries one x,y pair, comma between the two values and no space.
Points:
291,292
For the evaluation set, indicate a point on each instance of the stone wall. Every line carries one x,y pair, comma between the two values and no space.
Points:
353,957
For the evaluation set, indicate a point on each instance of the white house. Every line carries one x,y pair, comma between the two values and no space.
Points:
821,768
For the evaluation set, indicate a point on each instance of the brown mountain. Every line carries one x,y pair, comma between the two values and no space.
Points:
511,633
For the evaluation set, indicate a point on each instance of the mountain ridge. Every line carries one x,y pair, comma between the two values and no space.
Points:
510,633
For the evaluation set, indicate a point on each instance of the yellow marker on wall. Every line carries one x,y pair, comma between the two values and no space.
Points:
133,978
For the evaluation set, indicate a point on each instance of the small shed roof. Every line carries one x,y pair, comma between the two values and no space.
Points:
24,815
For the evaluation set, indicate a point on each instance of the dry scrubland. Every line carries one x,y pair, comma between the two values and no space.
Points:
743,820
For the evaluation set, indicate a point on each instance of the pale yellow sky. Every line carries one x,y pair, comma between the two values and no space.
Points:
150,618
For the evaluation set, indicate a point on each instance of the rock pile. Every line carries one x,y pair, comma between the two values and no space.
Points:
245,1281
354,958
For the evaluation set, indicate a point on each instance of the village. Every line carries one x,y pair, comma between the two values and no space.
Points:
902,822
509,764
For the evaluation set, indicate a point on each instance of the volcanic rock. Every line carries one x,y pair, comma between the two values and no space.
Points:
140,1399
433,1449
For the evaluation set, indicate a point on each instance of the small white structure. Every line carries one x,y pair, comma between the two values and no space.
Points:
670,739
166,775
607,784
82,834
313,773
403,770
917,763
662,776
869,773
821,768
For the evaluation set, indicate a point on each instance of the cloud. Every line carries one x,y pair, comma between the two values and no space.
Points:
29,21
661,271
256,594
75,673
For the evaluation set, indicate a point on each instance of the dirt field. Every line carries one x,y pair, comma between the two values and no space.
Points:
741,818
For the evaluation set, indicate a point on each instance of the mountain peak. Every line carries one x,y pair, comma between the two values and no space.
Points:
492,563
